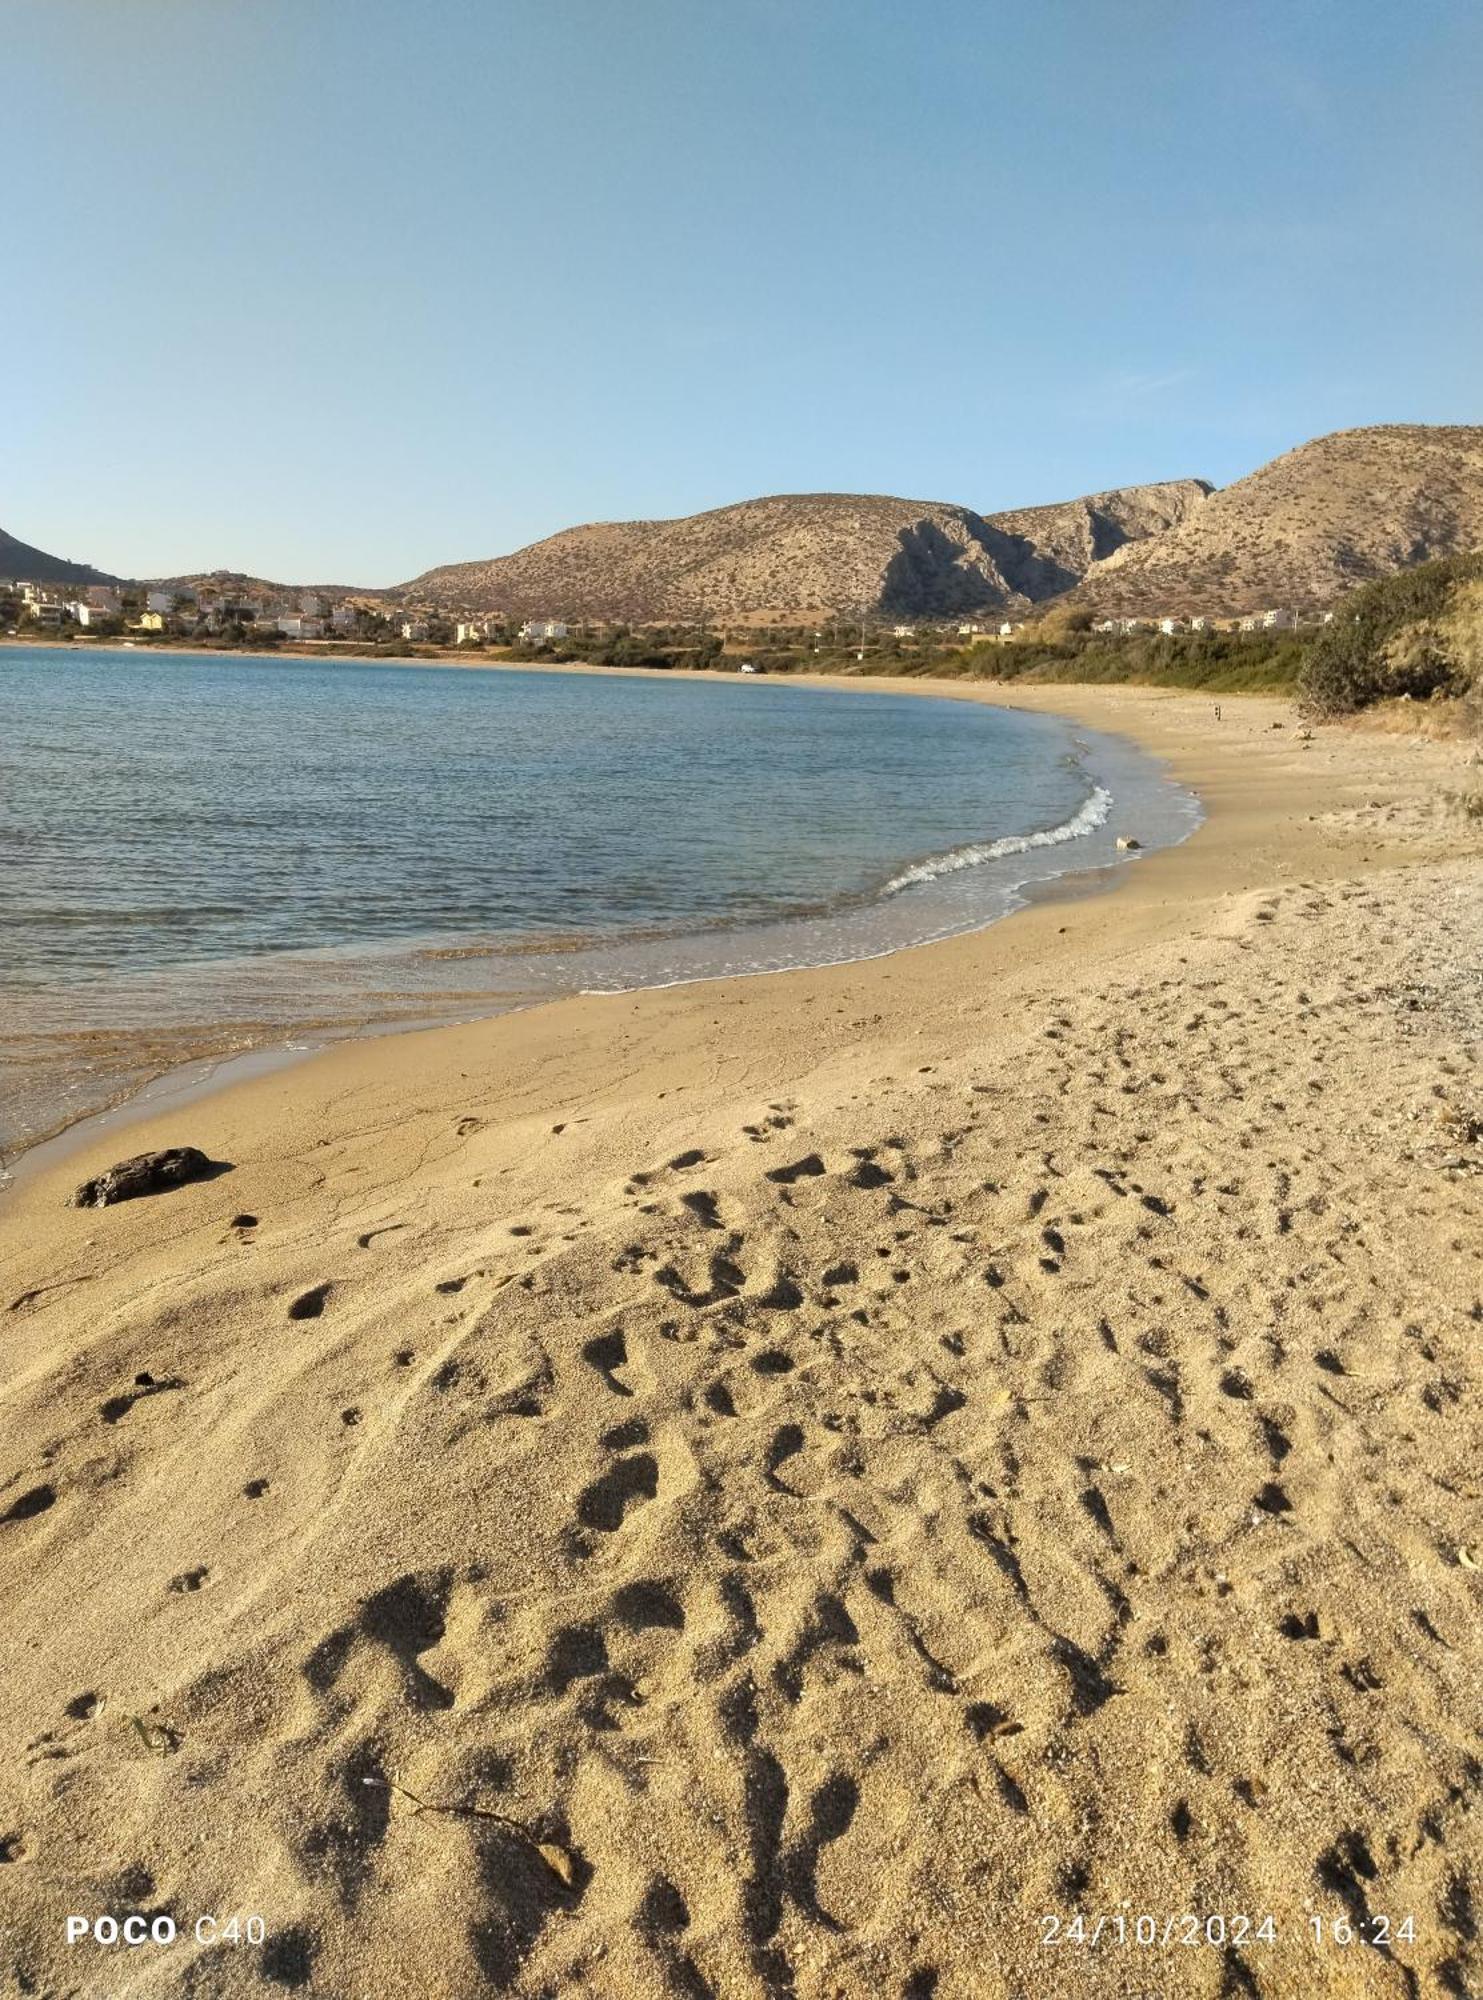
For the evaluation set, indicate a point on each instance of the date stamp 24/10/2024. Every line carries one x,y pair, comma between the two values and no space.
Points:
1219,1931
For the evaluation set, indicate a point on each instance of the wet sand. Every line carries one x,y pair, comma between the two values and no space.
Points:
810,1481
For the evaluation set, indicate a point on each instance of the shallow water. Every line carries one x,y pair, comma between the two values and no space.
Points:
202,854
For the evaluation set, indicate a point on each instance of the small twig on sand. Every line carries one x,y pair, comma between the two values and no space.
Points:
462,1812
554,1857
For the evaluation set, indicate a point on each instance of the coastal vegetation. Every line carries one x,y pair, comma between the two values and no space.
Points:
1415,635
1223,662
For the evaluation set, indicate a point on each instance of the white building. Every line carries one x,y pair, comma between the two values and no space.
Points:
910,631
414,628
90,614
342,618
965,631
1202,624
538,631
1170,626
294,625
1278,621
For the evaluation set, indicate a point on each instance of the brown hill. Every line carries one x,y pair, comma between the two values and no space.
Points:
1300,531
20,563
236,580
810,553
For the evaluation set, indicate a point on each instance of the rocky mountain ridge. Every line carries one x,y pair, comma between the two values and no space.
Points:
1304,528
1297,532
810,554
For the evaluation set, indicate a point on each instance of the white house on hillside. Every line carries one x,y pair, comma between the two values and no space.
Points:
537,631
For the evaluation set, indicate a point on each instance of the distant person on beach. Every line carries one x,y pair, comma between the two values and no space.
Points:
1217,711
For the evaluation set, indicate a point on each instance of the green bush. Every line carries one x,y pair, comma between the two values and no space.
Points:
1407,634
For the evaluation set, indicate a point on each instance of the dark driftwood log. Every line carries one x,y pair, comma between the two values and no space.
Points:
146,1173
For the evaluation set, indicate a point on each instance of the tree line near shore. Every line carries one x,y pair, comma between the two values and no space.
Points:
1417,634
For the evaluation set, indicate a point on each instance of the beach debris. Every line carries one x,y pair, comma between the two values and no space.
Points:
310,1304
1126,841
146,1173
158,1738
561,1862
1468,1559
562,1865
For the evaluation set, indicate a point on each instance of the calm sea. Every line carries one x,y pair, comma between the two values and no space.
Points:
202,855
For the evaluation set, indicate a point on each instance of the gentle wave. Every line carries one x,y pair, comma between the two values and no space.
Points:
1085,820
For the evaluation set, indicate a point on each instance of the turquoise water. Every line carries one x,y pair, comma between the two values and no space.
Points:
225,849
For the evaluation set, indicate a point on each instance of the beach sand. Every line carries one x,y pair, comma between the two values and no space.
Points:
811,1481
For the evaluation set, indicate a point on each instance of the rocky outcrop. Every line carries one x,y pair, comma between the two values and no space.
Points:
1310,525
1065,541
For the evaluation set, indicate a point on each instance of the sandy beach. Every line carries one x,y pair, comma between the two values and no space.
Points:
807,1485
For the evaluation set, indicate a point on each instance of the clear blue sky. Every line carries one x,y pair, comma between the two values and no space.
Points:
335,289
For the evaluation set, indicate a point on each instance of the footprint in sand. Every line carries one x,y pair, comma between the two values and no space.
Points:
145,1384
786,1443
607,1501
625,1437
647,1606
607,1353
310,1304
30,1504
727,1279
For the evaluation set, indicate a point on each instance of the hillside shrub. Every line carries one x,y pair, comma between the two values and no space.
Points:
1417,633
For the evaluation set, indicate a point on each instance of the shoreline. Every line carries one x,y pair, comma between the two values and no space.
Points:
1130,704
201,1054
795,1443
201,1076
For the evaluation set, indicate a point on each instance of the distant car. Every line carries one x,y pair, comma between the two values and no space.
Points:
746,667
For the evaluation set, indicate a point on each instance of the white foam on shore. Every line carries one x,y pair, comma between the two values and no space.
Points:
1092,814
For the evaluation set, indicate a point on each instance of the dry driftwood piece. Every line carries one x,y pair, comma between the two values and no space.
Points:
146,1173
